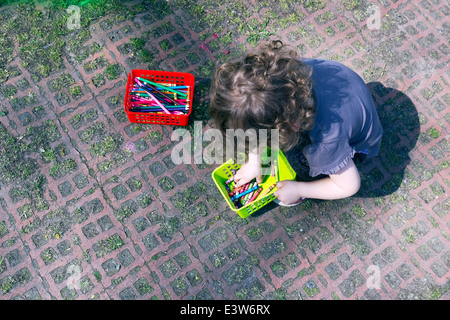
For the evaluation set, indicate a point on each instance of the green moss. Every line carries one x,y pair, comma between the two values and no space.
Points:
107,145
48,155
258,32
112,71
357,209
49,255
61,169
125,211
313,5
134,184
145,55
280,294
225,39
433,133
3,112
311,289
3,230
253,232
7,283
25,211
330,31
165,45
76,91
154,137
110,244
166,184
9,91
138,43
242,294
143,286
97,275
434,293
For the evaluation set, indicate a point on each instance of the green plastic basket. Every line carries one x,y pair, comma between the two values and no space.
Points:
225,171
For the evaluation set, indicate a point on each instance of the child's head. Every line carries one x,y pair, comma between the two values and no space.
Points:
271,89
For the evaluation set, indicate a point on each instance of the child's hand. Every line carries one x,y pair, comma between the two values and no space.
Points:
247,172
287,192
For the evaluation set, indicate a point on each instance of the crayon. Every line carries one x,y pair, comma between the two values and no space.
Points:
229,180
277,172
250,195
255,195
237,196
251,185
268,190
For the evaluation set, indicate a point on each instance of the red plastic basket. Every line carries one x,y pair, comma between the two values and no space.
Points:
178,78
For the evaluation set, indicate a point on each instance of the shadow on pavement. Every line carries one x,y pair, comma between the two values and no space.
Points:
383,174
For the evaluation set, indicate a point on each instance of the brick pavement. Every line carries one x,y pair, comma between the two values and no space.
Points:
86,195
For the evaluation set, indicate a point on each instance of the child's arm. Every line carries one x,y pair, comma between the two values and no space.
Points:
342,184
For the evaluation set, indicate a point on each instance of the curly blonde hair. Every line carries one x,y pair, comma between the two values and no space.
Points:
270,89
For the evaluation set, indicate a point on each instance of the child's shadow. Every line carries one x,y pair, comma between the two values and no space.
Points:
383,174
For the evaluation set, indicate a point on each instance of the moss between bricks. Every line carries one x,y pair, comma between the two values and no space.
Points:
104,247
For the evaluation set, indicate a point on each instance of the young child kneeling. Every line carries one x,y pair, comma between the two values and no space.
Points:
323,110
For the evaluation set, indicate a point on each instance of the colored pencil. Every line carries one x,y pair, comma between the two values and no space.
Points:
161,86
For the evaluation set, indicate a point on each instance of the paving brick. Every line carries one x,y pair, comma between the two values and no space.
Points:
333,271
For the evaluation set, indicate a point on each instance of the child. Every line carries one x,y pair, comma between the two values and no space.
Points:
323,111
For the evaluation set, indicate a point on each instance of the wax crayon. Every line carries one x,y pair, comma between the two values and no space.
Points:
255,195
268,190
250,195
251,185
229,180
237,196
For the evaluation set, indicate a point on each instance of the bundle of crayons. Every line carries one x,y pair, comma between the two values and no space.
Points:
245,194
148,96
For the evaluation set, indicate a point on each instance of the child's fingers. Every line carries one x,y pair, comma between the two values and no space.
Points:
237,178
280,184
239,182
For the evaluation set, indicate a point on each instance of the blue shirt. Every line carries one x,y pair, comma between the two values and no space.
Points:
346,119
